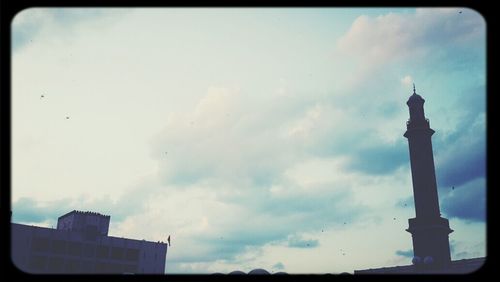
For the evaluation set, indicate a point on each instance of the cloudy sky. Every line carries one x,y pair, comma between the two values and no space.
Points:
256,138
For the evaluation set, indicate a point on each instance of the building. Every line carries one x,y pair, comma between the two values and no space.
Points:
462,266
431,247
428,229
80,244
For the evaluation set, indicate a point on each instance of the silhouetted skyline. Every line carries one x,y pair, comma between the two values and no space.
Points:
80,245
255,138
429,230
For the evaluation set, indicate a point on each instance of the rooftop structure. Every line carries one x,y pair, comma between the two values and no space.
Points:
80,245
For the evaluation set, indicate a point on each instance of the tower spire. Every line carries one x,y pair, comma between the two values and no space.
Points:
414,88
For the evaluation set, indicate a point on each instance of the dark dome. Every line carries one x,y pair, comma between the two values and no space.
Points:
258,271
415,98
345,273
238,272
281,273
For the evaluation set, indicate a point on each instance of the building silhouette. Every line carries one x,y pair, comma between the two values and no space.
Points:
428,229
431,247
80,244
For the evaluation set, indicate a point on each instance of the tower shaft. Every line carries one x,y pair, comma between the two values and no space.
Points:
423,172
429,230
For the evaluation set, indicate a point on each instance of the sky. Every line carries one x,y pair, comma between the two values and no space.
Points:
256,138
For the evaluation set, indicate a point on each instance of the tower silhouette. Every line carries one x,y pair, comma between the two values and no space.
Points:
428,229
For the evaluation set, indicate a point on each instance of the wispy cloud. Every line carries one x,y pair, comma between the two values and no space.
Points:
28,210
407,253
295,241
467,201
279,266
30,23
462,152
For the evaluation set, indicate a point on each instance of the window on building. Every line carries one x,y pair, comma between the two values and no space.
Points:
132,254
88,250
102,252
59,246
55,265
37,264
87,267
117,253
103,267
40,244
72,266
74,248
115,268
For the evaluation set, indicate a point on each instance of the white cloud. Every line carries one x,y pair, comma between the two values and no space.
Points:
392,37
227,135
407,80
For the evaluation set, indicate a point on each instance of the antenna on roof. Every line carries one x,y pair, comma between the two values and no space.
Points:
414,88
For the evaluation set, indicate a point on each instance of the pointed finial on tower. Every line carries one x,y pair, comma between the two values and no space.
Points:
414,88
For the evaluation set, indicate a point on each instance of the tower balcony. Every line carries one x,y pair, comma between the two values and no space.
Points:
419,123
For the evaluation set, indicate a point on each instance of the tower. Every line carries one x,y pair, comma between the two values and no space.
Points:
428,229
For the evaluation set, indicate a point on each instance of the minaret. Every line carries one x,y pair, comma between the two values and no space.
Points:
428,229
